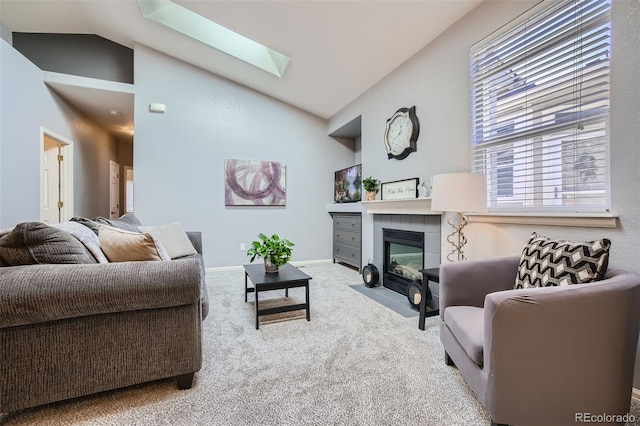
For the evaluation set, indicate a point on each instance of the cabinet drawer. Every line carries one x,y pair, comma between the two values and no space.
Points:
347,253
347,222
343,236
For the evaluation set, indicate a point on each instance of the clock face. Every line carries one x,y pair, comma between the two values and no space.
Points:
399,135
402,133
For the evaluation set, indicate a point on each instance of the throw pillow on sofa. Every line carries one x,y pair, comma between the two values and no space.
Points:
127,221
93,225
86,236
173,237
545,262
120,245
31,243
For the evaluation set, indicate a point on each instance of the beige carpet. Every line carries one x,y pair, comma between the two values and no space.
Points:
355,363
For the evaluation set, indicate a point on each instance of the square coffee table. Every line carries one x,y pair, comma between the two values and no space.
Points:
288,276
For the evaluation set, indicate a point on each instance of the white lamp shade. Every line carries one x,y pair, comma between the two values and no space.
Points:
459,192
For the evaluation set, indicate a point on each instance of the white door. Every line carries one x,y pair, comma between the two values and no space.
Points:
56,177
51,183
114,190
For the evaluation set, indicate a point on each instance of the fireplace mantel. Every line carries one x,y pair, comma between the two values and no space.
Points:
411,206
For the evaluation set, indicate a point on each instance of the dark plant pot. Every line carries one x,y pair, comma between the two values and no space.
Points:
270,267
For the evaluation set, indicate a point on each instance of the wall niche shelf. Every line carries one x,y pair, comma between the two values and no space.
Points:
410,206
344,208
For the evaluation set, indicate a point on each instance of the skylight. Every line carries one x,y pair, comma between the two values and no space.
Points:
198,27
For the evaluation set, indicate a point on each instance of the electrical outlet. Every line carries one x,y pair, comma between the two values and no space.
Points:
242,247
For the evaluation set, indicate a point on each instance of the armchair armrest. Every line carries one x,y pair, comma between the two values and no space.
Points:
467,283
579,338
37,293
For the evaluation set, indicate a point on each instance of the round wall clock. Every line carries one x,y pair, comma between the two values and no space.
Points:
370,275
401,133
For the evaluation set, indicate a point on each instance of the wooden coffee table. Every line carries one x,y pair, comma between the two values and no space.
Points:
288,276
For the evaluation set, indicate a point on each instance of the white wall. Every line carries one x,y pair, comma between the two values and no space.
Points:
27,105
436,80
179,159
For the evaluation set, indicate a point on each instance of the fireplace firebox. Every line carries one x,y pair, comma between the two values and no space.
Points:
403,259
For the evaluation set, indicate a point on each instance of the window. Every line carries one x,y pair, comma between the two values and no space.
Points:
540,109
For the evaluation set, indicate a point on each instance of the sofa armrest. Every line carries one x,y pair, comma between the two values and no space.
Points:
38,293
562,344
196,239
467,283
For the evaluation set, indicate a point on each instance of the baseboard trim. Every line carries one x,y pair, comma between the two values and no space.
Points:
299,263
223,268
311,262
635,394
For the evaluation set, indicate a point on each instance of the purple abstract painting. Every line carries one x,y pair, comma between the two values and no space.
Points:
254,183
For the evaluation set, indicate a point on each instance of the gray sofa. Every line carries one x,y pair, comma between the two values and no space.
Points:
69,330
541,356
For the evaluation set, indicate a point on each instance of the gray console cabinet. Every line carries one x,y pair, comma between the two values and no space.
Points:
347,238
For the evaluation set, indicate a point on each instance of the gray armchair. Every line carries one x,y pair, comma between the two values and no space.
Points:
540,356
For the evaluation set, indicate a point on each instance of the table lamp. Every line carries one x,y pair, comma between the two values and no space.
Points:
459,193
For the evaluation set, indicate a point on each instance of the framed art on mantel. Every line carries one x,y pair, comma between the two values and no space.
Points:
254,183
400,189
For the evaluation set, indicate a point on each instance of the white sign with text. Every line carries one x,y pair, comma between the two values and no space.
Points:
400,190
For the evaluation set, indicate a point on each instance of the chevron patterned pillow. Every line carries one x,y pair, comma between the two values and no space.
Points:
546,262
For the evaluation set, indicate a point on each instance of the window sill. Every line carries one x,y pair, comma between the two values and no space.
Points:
588,220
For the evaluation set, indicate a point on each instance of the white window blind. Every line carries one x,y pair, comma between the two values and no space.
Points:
540,110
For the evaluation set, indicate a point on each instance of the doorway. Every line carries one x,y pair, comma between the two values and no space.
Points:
114,190
56,172
128,189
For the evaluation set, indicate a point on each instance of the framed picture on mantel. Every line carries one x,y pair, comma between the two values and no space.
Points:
400,189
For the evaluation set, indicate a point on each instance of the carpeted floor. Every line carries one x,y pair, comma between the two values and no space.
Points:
356,362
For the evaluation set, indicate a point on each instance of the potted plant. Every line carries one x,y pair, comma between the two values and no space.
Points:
371,186
274,250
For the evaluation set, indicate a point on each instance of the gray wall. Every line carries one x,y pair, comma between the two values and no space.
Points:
179,159
86,55
436,80
5,35
27,105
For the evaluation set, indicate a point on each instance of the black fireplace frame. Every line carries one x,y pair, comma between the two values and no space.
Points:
390,280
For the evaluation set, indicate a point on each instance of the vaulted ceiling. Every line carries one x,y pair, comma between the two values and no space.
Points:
338,49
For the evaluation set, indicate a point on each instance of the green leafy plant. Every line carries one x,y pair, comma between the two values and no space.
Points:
277,250
370,184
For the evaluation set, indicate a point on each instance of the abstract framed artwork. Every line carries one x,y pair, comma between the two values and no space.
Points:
254,183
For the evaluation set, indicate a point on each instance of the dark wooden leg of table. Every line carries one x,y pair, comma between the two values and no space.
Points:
306,290
245,286
255,290
423,304
286,292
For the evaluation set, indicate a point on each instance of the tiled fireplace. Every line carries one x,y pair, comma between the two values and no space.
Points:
403,255
412,243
